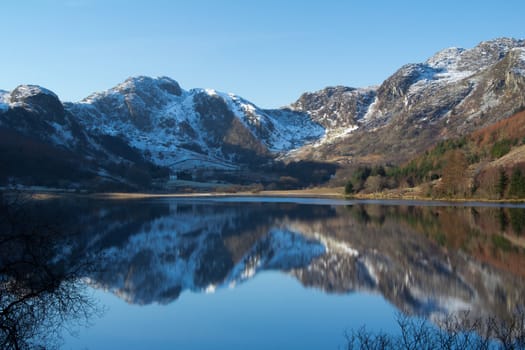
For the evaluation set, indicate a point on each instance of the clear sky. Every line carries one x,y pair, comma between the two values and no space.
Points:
268,51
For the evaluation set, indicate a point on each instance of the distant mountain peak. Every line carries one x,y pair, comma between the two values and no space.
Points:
143,86
34,98
445,59
144,82
23,92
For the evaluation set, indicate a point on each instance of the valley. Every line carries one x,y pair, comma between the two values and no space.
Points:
151,135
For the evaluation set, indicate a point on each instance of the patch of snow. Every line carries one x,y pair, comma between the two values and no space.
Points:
370,267
371,112
452,76
333,135
446,59
440,305
210,92
522,57
521,69
447,65
62,135
24,91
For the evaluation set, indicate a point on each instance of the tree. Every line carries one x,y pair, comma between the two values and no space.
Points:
453,331
517,184
39,291
501,186
454,181
374,184
349,188
359,177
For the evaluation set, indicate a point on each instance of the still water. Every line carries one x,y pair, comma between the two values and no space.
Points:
238,273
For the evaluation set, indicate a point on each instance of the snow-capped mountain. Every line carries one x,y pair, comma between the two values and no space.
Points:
159,128
452,93
152,124
185,129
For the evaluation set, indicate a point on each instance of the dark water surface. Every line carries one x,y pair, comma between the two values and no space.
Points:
238,273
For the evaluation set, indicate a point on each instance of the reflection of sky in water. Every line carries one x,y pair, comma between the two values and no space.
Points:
426,260
272,311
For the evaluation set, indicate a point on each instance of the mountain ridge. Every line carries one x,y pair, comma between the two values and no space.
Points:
154,121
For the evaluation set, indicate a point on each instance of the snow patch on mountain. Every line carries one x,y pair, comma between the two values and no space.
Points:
24,91
446,58
62,135
520,51
287,129
19,96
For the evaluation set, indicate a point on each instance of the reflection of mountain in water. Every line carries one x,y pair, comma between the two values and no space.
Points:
394,253
425,260
198,247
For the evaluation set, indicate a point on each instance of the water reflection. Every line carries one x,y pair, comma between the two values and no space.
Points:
425,260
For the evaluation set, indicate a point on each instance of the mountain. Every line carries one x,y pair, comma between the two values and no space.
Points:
144,130
184,129
453,93
43,143
488,163
150,123
143,123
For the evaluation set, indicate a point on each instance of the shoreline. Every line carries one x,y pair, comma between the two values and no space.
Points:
335,193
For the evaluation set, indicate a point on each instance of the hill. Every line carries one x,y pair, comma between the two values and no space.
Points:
150,134
488,163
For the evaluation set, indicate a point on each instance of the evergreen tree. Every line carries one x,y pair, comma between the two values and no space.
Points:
502,183
517,184
349,188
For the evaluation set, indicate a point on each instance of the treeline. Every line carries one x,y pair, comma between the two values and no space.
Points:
474,166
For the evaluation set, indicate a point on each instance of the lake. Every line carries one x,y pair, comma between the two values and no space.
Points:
280,273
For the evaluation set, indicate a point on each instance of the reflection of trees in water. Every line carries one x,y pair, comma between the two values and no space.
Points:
453,231
454,332
39,292
390,240
495,235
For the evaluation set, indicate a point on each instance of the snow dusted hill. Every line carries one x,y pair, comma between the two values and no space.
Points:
141,130
148,128
452,93
184,129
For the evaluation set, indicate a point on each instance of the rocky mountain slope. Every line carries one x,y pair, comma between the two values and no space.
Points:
185,129
157,128
454,92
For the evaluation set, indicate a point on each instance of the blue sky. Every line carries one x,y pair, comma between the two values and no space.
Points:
267,51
